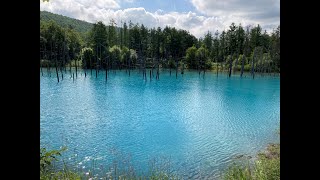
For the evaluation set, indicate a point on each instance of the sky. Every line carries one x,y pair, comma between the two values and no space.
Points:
196,16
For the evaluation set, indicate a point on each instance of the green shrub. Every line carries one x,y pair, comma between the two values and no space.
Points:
46,169
266,167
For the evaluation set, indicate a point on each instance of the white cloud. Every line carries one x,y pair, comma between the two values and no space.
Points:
263,12
106,10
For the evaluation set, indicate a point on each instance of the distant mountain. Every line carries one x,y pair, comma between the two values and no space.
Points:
64,21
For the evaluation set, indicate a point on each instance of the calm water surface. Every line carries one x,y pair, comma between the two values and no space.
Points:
200,123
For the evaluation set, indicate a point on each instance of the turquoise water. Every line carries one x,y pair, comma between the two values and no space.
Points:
201,123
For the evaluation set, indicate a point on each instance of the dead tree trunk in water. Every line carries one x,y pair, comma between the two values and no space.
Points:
222,67
85,66
61,64
43,52
242,65
56,68
129,65
61,73
158,68
252,66
56,64
76,67
96,62
69,63
176,68
90,65
48,69
41,68
106,62
182,72
204,71
236,63
217,66
199,65
100,62
145,70
230,65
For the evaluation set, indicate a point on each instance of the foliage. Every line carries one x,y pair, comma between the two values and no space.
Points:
61,42
66,22
266,167
191,57
87,57
115,54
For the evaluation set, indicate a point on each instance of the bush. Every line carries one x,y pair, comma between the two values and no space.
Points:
247,67
266,167
48,172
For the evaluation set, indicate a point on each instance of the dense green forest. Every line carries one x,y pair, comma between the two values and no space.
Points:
99,46
81,26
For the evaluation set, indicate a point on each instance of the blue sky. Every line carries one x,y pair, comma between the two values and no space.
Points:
195,16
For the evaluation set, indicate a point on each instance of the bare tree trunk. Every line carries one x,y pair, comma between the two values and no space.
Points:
176,68
91,66
106,62
242,65
41,68
56,68
69,63
204,71
56,64
61,64
230,65
76,62
217,64
96,62
48,70
61,73
85,66
100,62
252,67
236,63
199,66
129,65
150,75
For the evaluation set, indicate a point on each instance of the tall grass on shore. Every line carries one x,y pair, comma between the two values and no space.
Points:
266,167
119,169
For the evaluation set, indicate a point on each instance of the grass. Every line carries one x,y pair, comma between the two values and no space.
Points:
266,167
122,169
47,170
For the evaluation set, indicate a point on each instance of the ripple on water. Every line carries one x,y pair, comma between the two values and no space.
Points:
201,123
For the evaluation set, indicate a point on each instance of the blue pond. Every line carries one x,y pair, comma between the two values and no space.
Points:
201,123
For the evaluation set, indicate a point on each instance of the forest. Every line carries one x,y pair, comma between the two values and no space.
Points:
135,46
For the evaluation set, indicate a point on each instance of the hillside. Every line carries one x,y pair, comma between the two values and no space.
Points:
64,21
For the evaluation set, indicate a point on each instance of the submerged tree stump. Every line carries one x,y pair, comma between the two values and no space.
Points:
242,65
41,68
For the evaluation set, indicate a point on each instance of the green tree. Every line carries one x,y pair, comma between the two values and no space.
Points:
115,55
87,57
99,43
191,57
202,56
